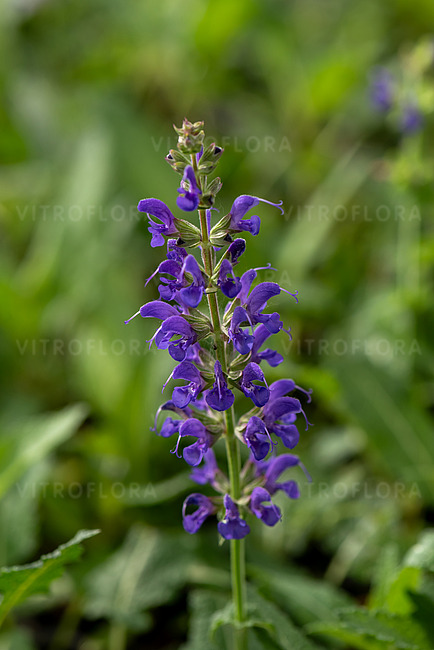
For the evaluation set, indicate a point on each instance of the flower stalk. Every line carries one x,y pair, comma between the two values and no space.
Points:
219,354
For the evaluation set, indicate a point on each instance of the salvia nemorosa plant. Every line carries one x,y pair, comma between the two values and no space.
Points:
215,324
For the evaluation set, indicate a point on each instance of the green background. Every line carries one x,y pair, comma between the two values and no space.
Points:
89,92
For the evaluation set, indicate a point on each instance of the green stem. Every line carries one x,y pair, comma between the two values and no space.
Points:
232,448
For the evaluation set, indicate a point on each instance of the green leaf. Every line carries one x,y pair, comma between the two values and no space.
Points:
398,600
401,435
18,639
372,630
300,248
203,605
156,493
26,443
284,632
19,515
422,554
385,571
392,584
147,571
19,582
226,616
307,600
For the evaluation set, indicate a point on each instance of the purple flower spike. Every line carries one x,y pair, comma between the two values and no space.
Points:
232,526
257,438
194,521
270,515
175,326
158,209
258,394
220,397
207,472
190,192
230,286
183,395
236,249
243,342
194,453
241,206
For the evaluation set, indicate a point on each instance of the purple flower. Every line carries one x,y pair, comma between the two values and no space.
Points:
194,453
183,395
246,282
257,301
282,387
412,119
169,286
155,309
194,521
230,286
177,286
170,426
220,397
270,515
232,526
158,209
279,414
258,394
175,326
382,89
271,356
206,472
242,340
236,249
192,295
190,192
240,207
175,252
275,467
257,438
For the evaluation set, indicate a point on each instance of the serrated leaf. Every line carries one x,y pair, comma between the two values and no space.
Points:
287,636
202,605
422,554
306,599
374,629
19,582
145,572
226,616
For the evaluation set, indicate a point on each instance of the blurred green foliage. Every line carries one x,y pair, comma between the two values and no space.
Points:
89,91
